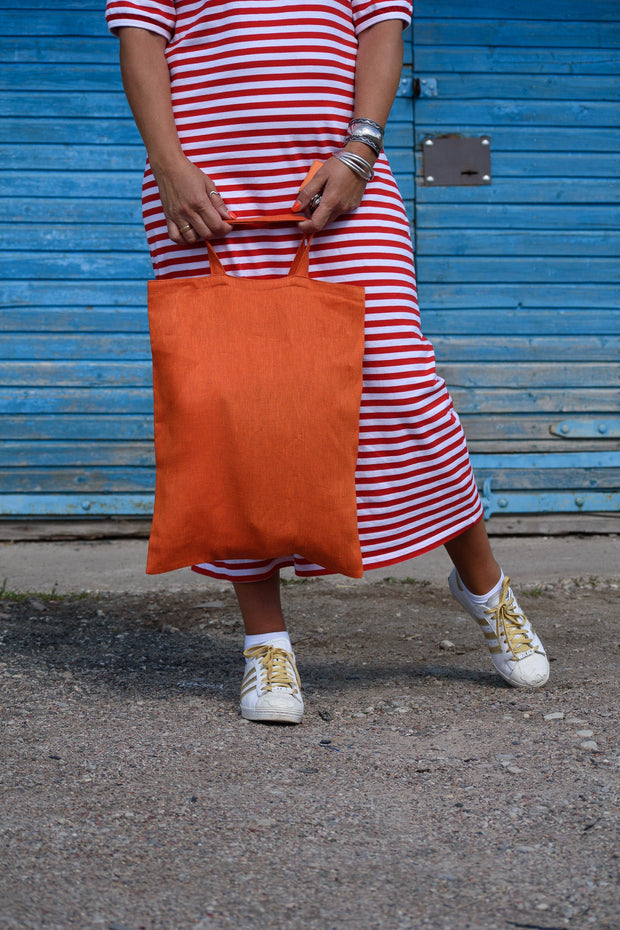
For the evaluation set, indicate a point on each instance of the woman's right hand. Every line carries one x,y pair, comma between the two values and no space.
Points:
193,207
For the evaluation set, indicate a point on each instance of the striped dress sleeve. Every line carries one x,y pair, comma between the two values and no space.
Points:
369,12
157,16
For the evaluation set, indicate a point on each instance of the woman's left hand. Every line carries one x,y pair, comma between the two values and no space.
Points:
340,190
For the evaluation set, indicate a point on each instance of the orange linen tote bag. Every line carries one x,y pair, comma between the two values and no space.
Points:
257,386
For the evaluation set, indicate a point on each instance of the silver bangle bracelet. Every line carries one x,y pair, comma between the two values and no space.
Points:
357,164
371,141
359,121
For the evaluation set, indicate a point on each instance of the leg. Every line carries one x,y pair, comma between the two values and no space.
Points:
473,559
271,690
261,609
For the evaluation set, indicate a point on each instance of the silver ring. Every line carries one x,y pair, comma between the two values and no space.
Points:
314,202
185,228
211,193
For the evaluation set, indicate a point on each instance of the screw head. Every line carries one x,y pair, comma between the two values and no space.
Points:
428,142
430,178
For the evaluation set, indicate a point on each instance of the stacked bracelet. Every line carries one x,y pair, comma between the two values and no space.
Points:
357,164
366,131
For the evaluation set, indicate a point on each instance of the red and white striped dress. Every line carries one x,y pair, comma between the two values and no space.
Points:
261,89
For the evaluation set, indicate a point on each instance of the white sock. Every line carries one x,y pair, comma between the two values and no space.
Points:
483,598
266,639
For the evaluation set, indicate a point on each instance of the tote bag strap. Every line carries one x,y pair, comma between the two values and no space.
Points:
299,267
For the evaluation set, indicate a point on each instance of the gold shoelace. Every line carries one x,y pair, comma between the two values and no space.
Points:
277,666
510,622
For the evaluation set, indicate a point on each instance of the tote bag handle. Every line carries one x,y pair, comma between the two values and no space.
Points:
299,266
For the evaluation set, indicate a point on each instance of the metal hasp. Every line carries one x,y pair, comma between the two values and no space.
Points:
456,161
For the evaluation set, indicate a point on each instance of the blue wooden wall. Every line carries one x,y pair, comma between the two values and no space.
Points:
519,279
523,273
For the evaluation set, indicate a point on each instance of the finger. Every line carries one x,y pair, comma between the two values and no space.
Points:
318,221
219,203
309,192
174,232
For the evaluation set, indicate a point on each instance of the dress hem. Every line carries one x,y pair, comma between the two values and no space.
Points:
289,562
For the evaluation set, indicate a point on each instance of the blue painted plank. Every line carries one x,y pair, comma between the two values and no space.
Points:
535,429
482,115
511,347
58,49
104,104
82,6
80,130
562,10
80,427
84,374
542,479
82,320
86,293
74,455
57,22
534,399
557,191
558,502
561,460
53,237
69,77
56,400
437,60
530,376
539,321
76,346
515,244
516,216
86,212
545,34
71,265
90,479
560,296
41,156
492,86
76,505
112,184
503,270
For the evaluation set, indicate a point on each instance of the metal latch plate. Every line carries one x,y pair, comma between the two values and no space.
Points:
456,161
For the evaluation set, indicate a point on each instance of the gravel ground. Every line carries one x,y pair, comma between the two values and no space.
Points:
419,792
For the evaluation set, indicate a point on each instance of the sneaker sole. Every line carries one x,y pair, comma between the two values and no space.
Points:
272,716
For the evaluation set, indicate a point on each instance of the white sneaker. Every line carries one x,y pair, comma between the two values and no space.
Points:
271,689
516,651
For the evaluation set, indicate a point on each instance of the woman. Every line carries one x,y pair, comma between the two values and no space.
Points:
234,101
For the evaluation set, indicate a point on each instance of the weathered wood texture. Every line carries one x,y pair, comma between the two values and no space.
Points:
75,382
518,278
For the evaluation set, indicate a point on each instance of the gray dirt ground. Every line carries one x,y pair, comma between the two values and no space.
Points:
419,792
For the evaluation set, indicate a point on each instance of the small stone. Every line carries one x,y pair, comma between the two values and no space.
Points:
584,733
589,744
556,715
576,721
446,644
